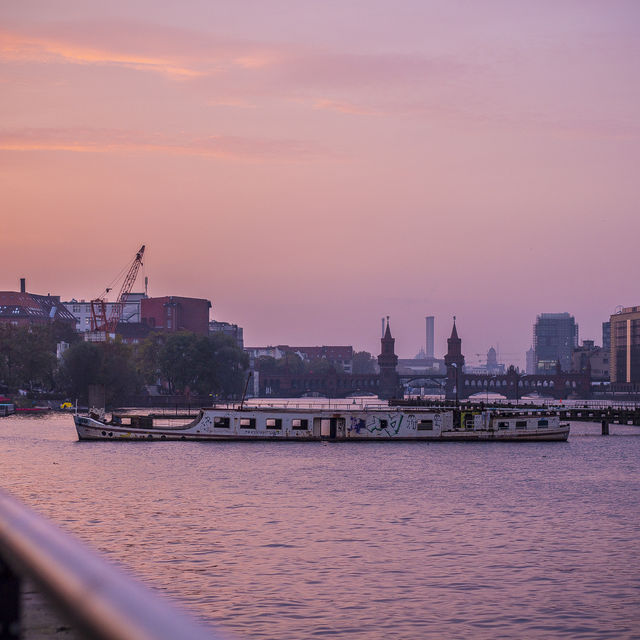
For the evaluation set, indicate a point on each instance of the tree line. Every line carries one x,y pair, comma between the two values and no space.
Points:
363,362
179,362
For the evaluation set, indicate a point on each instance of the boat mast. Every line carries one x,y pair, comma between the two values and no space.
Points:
244,393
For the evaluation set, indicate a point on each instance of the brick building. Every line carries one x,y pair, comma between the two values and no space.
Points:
20,308
175,313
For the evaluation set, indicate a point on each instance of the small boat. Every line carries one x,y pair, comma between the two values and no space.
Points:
349,424
6,406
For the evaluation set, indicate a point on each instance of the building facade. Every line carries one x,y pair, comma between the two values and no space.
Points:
624,361
232,330
175,313
555,336
342,356
81,310
492,366
589,357
606,335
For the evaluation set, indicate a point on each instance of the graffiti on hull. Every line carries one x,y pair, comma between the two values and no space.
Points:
388,425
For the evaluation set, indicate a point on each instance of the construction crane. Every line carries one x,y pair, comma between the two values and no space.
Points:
99,320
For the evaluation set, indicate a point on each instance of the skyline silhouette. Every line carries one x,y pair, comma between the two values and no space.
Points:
312,168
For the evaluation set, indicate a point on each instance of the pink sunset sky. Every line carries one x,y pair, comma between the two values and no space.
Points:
313,166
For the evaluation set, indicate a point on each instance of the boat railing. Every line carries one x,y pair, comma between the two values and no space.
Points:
329,405
80,588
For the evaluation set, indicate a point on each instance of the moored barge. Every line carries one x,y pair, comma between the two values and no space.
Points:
223,423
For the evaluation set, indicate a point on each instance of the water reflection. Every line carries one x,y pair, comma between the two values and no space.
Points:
375,540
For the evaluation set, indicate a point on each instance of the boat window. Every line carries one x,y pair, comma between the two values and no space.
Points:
274,423
248,423
221,422
503,425
521,424
299,424
425,425
543,423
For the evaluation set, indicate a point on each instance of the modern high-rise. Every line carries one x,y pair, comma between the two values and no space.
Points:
530,361
555,336
625,346
429,350
606,336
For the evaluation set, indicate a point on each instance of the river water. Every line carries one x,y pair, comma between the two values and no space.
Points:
348,540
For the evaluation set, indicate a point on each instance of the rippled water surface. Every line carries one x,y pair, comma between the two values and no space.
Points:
361,540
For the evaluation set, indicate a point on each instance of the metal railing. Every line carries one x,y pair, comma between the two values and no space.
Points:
100,600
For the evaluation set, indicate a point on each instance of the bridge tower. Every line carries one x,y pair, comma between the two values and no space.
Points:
454,361
388,362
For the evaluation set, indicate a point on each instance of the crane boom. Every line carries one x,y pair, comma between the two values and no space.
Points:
125,290
99,320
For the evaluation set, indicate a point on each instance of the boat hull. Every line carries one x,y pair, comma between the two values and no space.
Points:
226,425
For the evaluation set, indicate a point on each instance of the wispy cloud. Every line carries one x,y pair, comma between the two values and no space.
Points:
122,141
192,54
345,107
43,49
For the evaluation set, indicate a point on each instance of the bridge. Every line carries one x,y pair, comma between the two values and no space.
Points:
513,384
456,383
427,380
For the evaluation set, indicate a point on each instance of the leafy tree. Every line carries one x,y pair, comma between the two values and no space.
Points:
27,356
107,363
63,332
147,356
363,362
6,353
81,366
321,367
231,364
266,364
118,372
176,360
204,364
291,363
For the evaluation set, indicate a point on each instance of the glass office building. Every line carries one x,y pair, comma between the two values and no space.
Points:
555,336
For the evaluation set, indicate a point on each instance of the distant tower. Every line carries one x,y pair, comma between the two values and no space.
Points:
429,344
454,361
388,361
492,360
531,361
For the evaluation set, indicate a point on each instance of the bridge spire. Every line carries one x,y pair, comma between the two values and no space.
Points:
454,331
388,362
454,361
